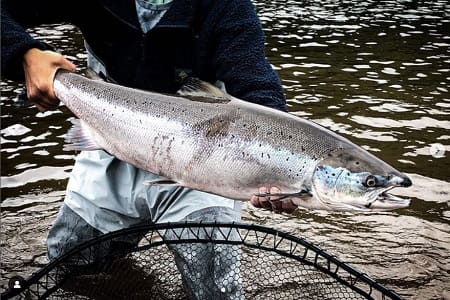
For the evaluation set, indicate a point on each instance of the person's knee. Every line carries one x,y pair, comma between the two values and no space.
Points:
68,231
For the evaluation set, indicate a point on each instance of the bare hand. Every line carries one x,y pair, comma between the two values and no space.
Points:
40,68
270,203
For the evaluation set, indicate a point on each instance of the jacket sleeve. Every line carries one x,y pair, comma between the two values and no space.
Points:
239,57
16,16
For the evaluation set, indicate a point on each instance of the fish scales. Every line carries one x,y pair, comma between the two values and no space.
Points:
224,146
187,140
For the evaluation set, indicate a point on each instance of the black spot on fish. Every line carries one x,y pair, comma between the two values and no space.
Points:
290,136
303,148
357,162
332,174
268,155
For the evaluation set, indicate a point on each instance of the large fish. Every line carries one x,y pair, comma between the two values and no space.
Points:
207,140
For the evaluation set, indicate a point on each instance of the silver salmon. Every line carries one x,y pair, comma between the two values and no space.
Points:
205,139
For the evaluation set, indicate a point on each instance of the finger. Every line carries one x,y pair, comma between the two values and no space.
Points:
42,99
274,190
255,200
60,63
264,201
276,204
288,206
68,65
266,205
49,100
40,108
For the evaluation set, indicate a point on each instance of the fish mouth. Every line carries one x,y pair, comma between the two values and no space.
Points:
382,200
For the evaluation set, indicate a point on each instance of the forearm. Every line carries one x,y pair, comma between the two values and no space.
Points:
15,43
16,17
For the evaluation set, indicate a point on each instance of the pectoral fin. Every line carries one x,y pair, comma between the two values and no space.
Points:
284,196
161,182
79,137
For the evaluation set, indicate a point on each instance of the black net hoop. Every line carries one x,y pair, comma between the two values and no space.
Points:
198,261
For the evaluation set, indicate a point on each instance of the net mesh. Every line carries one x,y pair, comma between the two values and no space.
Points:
199,261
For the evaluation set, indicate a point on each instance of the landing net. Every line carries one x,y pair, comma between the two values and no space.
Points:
198,261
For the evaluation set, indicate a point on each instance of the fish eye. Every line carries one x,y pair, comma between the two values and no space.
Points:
370,181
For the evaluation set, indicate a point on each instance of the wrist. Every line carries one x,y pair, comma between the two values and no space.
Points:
30,55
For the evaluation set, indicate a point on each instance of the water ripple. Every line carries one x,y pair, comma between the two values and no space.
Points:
377,72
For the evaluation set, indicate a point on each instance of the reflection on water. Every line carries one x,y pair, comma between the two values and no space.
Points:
377,72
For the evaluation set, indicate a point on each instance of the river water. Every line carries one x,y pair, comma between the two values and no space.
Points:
376,72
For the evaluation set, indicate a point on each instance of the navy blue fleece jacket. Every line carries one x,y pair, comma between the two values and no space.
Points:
229,41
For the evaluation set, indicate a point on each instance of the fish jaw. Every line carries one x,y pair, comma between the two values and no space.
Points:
382,202
385,201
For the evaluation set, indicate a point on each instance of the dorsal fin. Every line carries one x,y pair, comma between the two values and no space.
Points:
91,74
196,88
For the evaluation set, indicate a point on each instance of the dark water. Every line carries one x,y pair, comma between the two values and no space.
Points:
377,72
